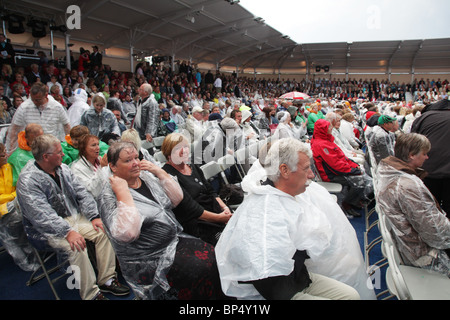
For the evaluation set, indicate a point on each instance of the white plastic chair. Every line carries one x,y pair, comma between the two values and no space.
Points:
408,282
158,141
159,156
211,169
333,188
147,145
227,161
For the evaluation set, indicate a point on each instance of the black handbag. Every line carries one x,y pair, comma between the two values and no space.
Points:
231,194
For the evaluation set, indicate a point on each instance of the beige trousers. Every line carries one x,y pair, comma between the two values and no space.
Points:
324,288
105,255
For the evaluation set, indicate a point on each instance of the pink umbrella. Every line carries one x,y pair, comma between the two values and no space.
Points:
295,96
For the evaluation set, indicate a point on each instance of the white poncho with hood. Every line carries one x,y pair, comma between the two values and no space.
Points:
270,225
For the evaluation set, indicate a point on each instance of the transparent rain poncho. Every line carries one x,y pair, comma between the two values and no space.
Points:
144,258
381,144
78,107
14,239
44,204
269,226
420,228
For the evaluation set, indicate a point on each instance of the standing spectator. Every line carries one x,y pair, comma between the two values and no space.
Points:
96,57
78,107
82,61
7,52
434,124
209,80
147,113
218,83
41,109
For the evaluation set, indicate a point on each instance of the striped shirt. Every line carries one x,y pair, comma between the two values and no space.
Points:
52,117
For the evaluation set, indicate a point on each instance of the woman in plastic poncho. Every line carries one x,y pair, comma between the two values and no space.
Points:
420,227
88,166
156,258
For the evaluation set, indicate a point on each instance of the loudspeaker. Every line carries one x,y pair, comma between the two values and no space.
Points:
326,68
15,24
38,28
318,68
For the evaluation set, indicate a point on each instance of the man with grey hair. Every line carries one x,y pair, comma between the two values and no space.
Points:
147,113
263,250
59,211
195,124
42,109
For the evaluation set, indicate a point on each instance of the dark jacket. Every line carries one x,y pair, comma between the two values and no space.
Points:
435,126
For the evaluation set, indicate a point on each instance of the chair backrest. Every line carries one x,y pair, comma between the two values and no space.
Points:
147,145
158,141
241,155
211,169
253,149
159,156
227,161
317,176
402,291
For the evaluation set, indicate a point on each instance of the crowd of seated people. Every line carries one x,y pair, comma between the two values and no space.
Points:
131,188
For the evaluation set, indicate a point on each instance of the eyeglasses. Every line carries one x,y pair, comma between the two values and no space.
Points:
58,153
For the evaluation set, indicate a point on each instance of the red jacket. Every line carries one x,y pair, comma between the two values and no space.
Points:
329,159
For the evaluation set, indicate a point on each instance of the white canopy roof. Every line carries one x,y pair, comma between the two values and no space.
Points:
225,34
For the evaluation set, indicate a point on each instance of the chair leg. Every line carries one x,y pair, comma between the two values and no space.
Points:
46,272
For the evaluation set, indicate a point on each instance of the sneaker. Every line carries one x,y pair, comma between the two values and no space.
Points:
100,296
115,288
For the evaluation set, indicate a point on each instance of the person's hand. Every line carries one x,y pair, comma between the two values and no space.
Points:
151,167
76,241
104,160
224,217
148,137
227,210
97,224
118,184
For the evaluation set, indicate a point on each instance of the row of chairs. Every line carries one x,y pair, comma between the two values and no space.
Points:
371,220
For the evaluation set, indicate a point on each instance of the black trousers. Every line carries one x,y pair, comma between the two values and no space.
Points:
440,188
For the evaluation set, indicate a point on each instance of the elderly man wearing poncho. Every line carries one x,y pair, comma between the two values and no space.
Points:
281,243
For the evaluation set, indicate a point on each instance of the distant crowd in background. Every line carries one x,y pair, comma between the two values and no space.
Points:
184,83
